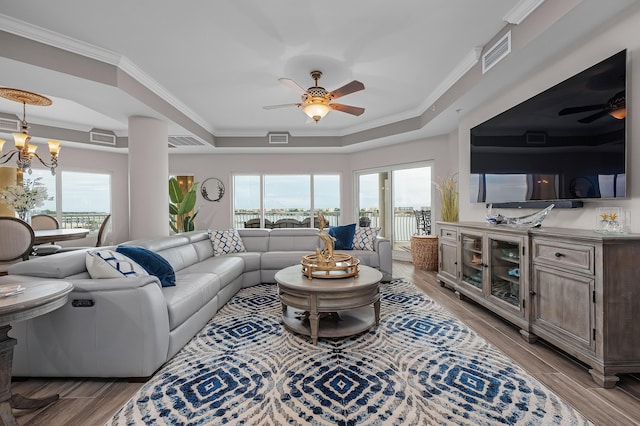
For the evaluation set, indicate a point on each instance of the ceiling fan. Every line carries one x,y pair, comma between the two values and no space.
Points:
315,100
616,107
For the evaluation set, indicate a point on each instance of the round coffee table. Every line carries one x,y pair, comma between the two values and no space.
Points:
335,307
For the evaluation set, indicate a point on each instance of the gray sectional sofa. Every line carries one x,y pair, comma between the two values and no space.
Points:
129,327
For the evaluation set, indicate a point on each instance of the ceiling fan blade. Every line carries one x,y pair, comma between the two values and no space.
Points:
347,108
348,88
280,106
575,110
593,117
293,85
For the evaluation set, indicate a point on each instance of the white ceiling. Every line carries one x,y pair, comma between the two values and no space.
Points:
218,62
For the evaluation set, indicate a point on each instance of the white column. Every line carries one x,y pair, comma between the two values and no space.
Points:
148,177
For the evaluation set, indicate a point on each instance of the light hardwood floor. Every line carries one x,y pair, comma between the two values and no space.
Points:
92,402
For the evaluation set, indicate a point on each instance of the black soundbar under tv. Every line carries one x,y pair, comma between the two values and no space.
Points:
558,204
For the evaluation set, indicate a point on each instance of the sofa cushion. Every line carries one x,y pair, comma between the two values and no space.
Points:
226,241
288,239
226,268
344,236
365,237
107,263
152,262
281,259
191,293
256,240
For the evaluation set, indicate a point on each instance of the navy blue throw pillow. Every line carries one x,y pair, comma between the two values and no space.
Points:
343,235
151,262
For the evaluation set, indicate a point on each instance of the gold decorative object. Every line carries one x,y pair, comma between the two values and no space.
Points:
25,151
324,263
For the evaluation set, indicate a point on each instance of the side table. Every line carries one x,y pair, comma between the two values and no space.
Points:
424,252
38,298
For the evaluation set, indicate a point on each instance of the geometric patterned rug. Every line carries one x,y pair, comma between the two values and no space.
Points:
420,366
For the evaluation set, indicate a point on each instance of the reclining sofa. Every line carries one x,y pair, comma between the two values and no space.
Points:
129,327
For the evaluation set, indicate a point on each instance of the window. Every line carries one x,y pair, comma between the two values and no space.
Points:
49,182
285,201
85,200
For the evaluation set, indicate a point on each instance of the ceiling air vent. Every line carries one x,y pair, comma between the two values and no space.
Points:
175,141
10,125
278,138
496,53
103,137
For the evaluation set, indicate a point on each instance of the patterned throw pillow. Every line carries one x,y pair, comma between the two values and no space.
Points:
226,241
106,263
365,237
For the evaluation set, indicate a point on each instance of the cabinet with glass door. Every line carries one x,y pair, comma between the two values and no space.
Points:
494,271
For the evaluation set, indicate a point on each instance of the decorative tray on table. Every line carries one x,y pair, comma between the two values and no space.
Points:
313,266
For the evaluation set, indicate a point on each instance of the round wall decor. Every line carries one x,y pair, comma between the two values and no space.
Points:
212,189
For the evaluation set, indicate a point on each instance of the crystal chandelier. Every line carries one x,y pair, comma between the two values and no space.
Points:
25,151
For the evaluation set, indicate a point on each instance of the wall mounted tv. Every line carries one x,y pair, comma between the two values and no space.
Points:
566,143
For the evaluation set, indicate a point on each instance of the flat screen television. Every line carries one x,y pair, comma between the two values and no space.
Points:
566,143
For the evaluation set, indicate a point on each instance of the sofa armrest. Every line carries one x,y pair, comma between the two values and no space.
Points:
112,284
120,330
382,246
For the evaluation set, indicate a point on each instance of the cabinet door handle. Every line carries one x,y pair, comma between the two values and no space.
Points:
532,293
558,254
455,263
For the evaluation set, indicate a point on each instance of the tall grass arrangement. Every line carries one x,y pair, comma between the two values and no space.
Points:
448,188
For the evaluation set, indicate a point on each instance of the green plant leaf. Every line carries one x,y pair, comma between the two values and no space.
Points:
175,192
187,224
173,209
188,203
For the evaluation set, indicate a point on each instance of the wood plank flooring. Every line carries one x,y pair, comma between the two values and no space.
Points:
92,402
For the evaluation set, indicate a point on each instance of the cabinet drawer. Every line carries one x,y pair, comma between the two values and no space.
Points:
448,233
576,257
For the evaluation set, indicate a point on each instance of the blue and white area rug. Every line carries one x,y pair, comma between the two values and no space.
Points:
421,366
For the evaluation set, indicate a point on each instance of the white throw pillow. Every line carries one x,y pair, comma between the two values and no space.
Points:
226,241
365,237
107,263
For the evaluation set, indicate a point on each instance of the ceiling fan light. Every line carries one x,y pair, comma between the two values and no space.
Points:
316,111
619,113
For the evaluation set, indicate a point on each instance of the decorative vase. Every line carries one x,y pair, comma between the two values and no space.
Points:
24,215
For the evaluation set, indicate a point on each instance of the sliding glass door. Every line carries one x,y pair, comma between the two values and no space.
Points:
397,199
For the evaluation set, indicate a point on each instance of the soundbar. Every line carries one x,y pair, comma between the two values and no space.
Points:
558,204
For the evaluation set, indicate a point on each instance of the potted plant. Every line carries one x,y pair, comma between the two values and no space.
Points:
181,205
24,198
448,188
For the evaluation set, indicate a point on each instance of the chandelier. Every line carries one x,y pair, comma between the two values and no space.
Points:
25,151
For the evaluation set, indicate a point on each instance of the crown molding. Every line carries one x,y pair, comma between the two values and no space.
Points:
60,41
468,62
521,10
141,77
44,36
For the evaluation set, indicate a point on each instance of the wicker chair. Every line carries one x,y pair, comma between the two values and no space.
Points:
287,223
255,223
